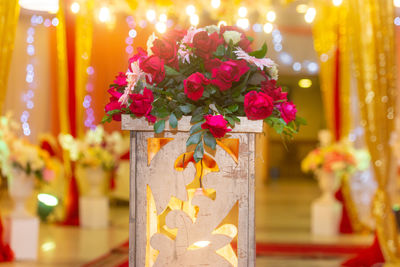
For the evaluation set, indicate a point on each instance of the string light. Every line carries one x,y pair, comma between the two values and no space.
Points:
297,66
222,22
194,19
131,35
397,21
104,14
305,83
271,16
396,3
268,27
310,15
243,23
215,3
150,15
163,18
75,7
190,10
242,11
302,8
50,6
161,27
337,2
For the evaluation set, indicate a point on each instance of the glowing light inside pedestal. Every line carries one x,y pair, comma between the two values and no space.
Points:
48,200
199,244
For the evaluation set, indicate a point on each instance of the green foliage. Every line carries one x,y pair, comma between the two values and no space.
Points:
159,126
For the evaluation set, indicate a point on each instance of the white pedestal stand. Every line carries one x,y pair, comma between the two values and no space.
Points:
326,211
21,228
94,208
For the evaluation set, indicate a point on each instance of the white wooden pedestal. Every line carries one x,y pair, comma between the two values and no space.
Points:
22,233
172,221
325,218
93,212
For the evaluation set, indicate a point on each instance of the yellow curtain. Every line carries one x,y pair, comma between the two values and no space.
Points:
83,42
371,36
9,13
332,45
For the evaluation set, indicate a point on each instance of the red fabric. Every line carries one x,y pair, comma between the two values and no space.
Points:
6,254
368,257
72,201
345,222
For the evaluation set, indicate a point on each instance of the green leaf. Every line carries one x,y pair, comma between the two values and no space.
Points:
195,128
160,112
251,39
159,126
187,108
198,152
197,118
220,51
233,108
230,120
209,140
114,112
171,71
178,113
173,122
106,118
194,139
261,52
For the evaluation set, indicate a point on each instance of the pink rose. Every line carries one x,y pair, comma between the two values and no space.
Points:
205,45
139,56
154,66
217,125
167,51
288,111
258,105
194,85
141,103
228,72
120,80
114,104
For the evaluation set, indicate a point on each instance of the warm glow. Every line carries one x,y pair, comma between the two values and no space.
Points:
302,8
268,27
215,3
75,7
190,10
151,15
163,18
271,16
396,3
194,19
337,2
243,23
48,200
199,244
305,83
222,22
242,12
48,246
310,15
104,14
161,27
40,5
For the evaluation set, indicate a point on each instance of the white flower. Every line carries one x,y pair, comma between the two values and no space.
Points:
150,41
212,28
261,63
132,78
233,36
273,72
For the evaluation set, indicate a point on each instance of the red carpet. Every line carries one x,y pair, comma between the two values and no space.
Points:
118,257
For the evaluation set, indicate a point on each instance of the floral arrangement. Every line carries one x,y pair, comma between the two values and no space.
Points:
210,74
96,149
338,158
20,154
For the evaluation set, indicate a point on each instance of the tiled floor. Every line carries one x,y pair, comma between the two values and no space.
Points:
282,217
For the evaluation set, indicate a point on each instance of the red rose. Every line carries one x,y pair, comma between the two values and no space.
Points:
228,72
114,104
205,45
258,105
154,66
166,51
288,111
244,42
120,79
174,35
139,56
211,64
269,87
141,103
194,85
217,125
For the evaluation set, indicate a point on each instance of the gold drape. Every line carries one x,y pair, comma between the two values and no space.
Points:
371,36
9,13
83,41
332,45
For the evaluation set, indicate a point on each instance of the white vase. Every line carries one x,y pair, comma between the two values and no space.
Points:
328,183
95,177
20,187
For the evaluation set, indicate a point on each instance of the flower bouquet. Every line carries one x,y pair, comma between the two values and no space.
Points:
338,158
210,74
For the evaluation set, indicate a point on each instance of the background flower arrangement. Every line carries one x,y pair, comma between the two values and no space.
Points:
338,158
210,74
